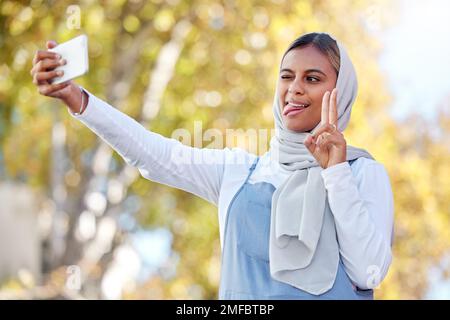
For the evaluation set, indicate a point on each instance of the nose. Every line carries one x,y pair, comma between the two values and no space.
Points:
296,87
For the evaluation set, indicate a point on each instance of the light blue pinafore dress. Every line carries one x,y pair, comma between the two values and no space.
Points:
245,272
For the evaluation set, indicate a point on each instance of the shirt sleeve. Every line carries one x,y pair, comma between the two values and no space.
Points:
362,206
160,159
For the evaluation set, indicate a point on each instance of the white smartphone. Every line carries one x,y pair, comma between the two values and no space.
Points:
75,52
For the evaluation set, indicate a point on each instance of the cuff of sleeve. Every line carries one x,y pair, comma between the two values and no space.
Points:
89,107
335,173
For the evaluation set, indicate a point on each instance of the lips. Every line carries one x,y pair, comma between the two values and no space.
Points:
294,107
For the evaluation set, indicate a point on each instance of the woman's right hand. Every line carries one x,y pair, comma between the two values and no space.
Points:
44,63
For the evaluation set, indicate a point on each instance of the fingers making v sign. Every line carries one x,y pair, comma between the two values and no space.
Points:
327,144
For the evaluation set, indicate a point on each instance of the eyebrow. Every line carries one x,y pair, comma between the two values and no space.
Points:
307,71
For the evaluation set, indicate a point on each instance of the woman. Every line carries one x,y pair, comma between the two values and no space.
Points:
310,219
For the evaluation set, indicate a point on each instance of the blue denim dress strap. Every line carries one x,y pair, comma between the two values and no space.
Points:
245,272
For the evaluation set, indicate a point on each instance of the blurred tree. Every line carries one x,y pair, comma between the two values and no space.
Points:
167,64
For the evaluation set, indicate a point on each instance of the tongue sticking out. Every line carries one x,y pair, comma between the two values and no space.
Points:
293,110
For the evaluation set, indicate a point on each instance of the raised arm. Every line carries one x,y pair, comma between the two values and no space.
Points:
160,159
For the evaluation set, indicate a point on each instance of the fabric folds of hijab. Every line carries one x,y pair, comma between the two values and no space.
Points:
303,247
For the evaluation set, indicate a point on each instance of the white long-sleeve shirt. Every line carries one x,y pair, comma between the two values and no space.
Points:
359,195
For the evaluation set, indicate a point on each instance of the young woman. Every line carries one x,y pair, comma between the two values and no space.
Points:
312,218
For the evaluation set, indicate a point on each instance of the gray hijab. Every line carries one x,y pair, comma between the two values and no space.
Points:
303,246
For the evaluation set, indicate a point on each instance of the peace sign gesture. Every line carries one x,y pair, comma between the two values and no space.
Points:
327,144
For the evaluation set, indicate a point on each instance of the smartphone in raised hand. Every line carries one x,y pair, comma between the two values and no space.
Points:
75,52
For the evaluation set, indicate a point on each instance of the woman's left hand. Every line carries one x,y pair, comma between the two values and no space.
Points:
327,144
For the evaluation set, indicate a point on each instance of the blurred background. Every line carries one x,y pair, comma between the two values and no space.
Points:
76,222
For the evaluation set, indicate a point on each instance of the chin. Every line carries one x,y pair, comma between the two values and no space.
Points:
298,127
